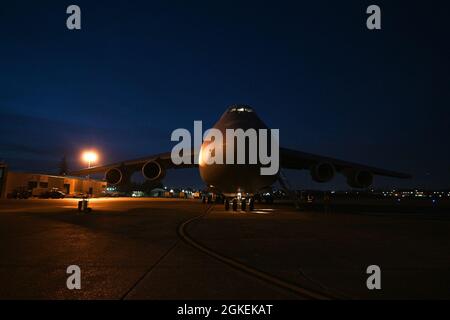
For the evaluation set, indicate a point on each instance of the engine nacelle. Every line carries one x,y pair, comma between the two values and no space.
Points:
322,172
359,178
153,171
115,176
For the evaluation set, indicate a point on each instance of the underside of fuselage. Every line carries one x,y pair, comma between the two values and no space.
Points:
234,179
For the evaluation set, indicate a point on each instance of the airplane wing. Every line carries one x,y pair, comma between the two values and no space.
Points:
163,159
293,159
323,168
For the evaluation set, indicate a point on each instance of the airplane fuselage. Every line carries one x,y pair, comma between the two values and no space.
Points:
231,179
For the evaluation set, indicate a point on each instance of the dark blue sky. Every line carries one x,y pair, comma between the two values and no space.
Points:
136,71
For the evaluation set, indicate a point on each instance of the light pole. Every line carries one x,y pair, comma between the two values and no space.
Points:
90,157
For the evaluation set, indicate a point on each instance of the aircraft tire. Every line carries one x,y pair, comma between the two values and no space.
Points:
251,205
234,204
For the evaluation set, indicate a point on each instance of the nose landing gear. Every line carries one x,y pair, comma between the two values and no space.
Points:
251,204
241,204
235,204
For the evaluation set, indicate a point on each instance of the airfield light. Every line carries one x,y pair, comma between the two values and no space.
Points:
90,157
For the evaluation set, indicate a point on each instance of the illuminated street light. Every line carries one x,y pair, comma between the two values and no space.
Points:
90,157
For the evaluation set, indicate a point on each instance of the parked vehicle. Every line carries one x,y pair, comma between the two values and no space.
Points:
20,194
80,195
54,194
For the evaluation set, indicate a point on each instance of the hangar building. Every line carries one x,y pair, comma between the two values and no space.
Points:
37,183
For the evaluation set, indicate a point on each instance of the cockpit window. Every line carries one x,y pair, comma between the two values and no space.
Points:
240,109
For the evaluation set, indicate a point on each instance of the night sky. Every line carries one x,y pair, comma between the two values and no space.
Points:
140,69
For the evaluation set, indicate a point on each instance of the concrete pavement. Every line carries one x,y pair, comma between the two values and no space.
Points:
130,249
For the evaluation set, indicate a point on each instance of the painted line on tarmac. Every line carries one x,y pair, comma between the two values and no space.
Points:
136,284
247,269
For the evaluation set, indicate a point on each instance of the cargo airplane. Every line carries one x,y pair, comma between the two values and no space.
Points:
244,180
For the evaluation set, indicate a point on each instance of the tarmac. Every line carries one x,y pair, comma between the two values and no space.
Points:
154,248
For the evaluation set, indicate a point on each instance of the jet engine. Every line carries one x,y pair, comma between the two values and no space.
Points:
322,172
153,171
115,176
359,178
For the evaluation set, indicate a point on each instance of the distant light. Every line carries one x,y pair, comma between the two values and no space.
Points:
90,156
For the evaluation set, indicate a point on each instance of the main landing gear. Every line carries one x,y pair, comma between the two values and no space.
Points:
241,204
207,199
